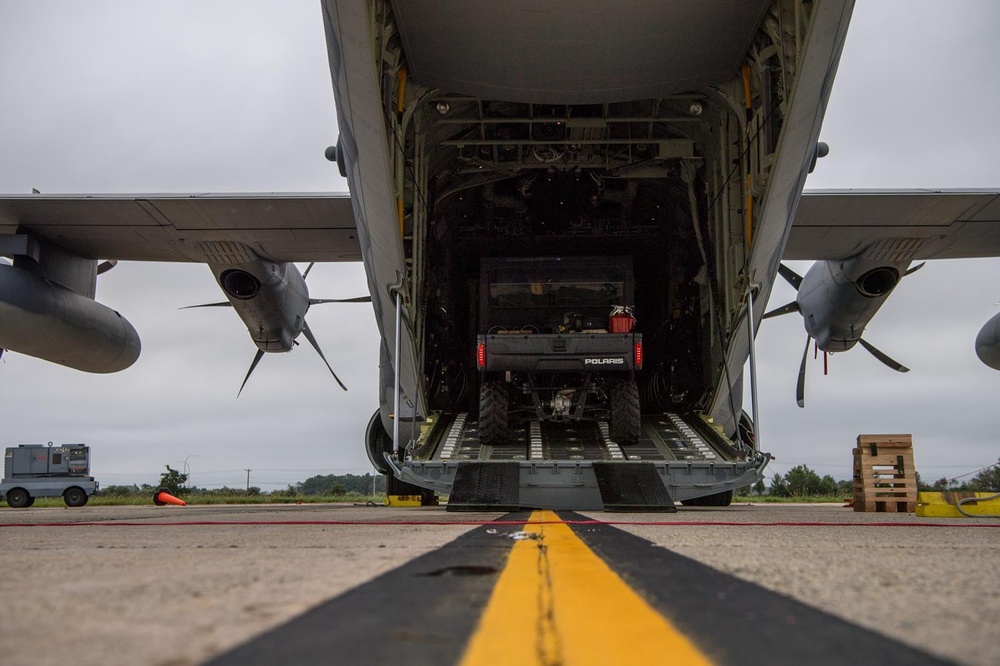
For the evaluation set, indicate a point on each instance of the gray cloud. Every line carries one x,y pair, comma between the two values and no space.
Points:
235,96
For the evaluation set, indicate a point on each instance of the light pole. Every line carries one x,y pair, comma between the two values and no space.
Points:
187,468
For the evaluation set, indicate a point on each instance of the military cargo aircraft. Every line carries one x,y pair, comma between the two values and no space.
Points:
675,136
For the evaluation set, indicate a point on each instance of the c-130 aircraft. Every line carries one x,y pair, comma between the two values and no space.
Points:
575,135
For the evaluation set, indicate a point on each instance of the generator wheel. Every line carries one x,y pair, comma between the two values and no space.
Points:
626,418
494,407
716,499
18,498
75,496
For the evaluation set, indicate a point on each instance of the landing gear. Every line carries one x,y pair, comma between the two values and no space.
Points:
377,443
718,499
626,418
494,410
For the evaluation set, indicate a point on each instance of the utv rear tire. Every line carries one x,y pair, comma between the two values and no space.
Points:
494,406
626,418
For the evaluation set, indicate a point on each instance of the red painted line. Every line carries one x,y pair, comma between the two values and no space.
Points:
501,523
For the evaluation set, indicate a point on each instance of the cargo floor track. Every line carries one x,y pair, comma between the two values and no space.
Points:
576,465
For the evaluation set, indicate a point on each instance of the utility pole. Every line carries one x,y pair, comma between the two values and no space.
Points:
248,479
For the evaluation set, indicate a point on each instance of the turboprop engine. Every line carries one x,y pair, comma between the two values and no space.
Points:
988,343
272,300
837,299
48,321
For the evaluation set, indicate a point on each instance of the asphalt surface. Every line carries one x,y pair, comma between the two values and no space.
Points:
172,586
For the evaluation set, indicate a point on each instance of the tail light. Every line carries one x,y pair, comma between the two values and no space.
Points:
481,355
638,356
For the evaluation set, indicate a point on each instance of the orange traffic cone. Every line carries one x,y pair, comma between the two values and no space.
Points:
162,497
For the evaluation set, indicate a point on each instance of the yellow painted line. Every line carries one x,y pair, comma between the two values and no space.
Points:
557,603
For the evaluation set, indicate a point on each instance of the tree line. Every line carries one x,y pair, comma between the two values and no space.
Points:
800,481
175,482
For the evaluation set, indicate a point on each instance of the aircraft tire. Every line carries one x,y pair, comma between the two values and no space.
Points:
626,417
716,499
18,498
75,496
377,442
494,410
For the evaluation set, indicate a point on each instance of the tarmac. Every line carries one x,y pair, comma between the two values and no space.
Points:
175,586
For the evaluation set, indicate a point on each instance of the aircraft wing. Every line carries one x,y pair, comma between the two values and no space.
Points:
189,227
904,224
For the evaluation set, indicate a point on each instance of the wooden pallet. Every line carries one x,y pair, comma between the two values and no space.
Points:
884,476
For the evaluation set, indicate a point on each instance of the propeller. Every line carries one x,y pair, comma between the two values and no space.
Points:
788,308
356,299
225,304
256,359
795,280
312,340
305,329
790,276
895,365
800,385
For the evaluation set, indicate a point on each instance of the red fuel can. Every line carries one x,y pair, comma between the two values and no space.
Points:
621,323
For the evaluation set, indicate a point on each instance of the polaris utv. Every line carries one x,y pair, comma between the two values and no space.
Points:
557,343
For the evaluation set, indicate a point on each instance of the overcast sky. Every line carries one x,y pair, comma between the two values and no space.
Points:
133,97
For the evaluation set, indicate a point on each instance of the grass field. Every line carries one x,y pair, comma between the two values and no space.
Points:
355,498
194,500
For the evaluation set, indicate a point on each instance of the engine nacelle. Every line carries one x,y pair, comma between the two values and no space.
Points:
45,320
270,298
837,299
988,342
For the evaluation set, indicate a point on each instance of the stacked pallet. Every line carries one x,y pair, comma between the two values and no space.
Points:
884,477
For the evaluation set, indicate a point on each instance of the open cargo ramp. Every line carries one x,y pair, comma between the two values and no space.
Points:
575,465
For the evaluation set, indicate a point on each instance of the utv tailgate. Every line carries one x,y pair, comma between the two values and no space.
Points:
573,352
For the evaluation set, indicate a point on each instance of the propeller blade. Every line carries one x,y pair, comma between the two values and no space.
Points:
356,299
783,310
800,385
308,268
106,266
916,268
225,304
790,276
312,340
895,365
256,360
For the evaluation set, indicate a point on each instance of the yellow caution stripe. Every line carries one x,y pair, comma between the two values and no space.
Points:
556,602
